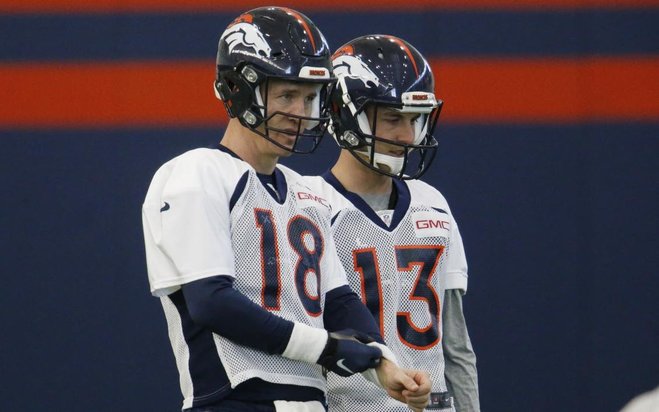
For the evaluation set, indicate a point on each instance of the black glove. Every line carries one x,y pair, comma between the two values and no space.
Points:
346,353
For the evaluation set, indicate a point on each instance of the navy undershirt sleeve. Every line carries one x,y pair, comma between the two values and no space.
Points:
215,304
344,310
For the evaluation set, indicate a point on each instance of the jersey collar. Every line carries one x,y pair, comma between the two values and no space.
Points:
274,184
402,204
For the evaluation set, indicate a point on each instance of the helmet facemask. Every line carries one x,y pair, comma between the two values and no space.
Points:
355,132
248,80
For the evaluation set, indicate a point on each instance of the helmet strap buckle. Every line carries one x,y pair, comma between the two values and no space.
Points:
351,138
249,117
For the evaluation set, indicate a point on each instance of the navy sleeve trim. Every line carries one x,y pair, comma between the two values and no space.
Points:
215,304
344,310
240,187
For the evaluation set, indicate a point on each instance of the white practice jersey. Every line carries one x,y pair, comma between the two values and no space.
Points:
400,269
207,213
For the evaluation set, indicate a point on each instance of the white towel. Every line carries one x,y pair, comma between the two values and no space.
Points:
286,406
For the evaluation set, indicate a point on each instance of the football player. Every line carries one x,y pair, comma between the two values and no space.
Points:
238,248
396,235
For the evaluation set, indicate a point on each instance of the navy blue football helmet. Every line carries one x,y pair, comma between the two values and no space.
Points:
379,71
274,43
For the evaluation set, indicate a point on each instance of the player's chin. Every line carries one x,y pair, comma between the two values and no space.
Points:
286,142
284,153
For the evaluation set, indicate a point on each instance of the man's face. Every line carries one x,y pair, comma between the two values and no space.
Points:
394,126
294,98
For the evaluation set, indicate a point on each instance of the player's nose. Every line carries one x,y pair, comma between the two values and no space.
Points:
405,133
297,107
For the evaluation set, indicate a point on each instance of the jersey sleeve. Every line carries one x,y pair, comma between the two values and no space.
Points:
186,226
460,360
456,264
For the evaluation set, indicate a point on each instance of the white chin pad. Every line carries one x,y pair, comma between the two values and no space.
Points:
386,163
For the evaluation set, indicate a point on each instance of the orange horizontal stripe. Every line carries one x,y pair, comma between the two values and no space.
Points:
107,94
180,93
549,90
102,6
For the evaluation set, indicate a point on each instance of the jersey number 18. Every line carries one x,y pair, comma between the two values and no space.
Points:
299,231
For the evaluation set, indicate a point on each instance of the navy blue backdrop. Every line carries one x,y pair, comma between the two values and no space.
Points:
559,224
559,220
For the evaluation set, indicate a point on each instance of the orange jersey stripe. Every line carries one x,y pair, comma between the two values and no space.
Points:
475,90
72,6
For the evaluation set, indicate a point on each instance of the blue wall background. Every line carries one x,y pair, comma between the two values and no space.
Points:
559,223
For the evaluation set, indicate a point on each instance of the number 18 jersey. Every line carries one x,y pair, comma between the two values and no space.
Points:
399,262
208,213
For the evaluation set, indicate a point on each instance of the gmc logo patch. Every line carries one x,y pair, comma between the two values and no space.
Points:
431,224
309,196
419,97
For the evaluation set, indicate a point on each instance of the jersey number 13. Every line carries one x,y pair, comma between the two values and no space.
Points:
425,259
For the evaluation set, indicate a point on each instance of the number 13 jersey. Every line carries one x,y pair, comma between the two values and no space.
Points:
399,262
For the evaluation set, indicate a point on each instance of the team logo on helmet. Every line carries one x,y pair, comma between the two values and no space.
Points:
352,67
247,35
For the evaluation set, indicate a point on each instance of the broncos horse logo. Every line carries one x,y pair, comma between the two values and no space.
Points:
352,67
247,35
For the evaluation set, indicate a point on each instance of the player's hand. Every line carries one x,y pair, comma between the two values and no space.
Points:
407,386
346,353
419,399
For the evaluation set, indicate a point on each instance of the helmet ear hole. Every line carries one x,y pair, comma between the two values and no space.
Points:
226,88
233,88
